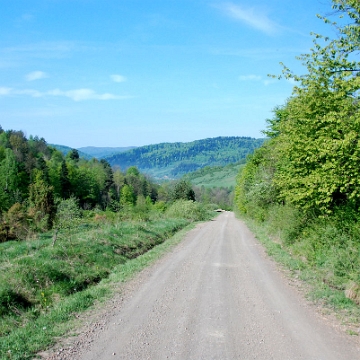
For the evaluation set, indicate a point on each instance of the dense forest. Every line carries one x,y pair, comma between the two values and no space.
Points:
40,186
173,160
36,178
303,184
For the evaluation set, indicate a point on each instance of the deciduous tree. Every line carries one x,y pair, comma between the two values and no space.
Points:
318,130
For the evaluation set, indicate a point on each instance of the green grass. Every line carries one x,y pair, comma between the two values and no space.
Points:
42,287
323,253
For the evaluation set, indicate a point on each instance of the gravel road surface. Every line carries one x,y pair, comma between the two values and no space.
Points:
215,296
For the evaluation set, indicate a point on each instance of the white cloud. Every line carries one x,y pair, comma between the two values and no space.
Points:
250,78
76,94
30,92
84,94
269,82
36,75
259,78
252,17
40,50
118,78
5,91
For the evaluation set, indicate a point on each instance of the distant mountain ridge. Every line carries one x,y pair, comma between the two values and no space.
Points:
172,160
89,152
65,149
101,152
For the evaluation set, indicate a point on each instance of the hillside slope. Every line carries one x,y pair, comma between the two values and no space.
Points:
101,152
172,160
215,176
65,149
89,152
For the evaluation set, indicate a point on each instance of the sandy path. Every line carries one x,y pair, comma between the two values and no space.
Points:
217,296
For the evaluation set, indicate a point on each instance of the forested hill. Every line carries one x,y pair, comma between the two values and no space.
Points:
176,159
66,149
101,152
89,152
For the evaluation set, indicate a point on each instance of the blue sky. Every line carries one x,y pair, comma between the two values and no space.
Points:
138,72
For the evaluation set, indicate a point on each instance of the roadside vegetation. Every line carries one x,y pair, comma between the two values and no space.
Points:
70,228
301,188
45,285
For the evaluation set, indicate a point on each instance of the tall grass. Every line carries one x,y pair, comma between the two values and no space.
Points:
43,284
325,252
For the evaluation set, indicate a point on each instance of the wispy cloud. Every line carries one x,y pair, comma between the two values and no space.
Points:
36,75
252,17
29,92
258,78
250,78
41,50
5,91
118,78
84,94
75,95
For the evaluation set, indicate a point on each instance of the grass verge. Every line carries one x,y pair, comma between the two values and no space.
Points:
323,284
43,288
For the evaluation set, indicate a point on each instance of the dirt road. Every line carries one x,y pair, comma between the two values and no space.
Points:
217,296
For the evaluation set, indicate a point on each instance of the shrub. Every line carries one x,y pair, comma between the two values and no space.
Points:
188,209
68,216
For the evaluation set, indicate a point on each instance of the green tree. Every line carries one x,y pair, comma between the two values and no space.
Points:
15,222
41,202
87,184
132,170
127,196
108,191
183,190
68,217
317,131
65,185
18,144
8,180
54,165
255,191
73,155
119,181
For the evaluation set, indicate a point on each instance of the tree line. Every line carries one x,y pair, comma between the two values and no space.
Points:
303,184
35,178
312,157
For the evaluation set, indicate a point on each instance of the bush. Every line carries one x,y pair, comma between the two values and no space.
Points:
67,218
188,209
287,221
